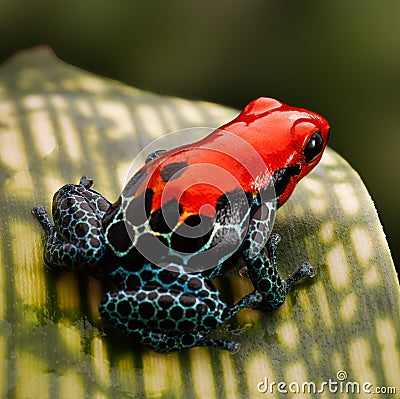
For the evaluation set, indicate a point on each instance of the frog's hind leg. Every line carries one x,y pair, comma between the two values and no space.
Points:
170,319
169,342
76,239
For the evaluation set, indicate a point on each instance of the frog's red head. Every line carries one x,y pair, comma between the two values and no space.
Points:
290,140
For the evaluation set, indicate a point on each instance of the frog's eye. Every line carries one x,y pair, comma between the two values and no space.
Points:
313,147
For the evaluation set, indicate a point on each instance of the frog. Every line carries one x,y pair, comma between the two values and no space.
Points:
185,218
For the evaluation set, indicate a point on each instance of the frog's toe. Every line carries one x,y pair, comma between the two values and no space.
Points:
230,346
307,270
154,155
243,272
86,182
233,347
39,210
41,215
274,240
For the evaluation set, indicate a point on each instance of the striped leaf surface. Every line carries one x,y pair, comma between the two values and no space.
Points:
336,332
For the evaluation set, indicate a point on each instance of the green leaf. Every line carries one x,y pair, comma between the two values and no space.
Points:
57,123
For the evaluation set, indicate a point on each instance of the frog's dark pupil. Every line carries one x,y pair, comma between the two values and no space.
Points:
313,147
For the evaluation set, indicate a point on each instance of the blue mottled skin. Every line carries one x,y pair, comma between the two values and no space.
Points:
165,309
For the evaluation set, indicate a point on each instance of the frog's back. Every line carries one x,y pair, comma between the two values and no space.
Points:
184,206
201,196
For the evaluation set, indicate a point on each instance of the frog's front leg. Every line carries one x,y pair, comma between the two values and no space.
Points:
76,239
262,268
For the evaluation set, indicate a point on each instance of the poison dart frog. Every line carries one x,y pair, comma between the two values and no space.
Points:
184,219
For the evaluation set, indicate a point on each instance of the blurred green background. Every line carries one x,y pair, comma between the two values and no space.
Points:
339,58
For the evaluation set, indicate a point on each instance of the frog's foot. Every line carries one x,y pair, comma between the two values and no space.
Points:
230,346
171,342
305,270
42,216
263,272
154,155
86,182
75,241
164,343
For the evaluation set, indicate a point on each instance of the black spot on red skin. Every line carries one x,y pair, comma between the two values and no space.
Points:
173,170
164,219
193,220
139,208
193,234
148,201
118,237
232,207
134,183
282,178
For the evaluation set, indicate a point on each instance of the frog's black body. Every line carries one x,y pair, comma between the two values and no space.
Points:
164,296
